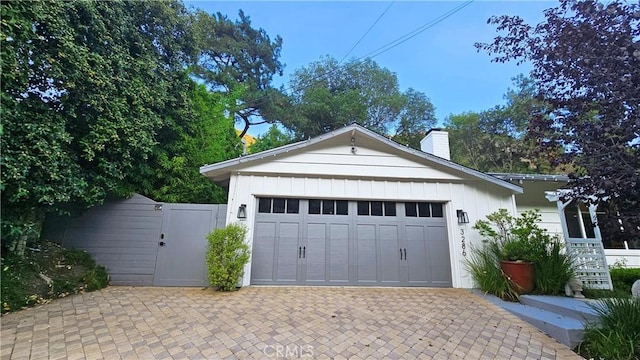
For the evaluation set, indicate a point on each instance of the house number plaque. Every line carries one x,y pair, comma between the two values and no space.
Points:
463,241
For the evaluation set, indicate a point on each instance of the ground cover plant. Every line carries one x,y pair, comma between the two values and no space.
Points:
45,272
617,336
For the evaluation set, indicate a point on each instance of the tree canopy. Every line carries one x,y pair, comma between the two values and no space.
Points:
497,139
327,95
235,55
586,65
83,90
273,138
98,100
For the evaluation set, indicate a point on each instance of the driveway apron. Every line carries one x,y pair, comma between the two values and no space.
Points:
273,323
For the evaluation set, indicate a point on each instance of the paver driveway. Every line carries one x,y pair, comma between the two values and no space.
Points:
273,322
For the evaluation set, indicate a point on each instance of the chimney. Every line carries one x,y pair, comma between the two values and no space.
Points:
436,142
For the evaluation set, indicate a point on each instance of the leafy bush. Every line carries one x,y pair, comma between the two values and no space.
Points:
622,279
506,237
227,255
617,336
96,279
519,238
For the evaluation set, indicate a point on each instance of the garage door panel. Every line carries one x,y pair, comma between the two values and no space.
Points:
389,254
287,252
366,254
338,260
416,246
264,243
315,253
438,256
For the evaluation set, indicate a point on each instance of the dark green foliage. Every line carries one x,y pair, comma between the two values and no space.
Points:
519,238
85,87
273,138
506,237
622,279
234,55
201,135
617,336
553,271
16,272
98,101
96,279
227,255
71,271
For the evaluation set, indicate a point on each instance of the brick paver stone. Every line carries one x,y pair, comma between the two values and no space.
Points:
273,323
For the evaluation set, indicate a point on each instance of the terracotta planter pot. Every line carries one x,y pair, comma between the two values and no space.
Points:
520,273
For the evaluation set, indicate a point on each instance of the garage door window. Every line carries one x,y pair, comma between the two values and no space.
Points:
329,207
278,205
376,208
423,209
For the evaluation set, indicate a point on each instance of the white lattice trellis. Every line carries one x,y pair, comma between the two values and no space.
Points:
587,253
590,262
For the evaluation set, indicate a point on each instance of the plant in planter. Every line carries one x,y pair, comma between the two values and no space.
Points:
514,249
517,265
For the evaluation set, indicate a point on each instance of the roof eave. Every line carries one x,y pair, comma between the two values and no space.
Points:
228,165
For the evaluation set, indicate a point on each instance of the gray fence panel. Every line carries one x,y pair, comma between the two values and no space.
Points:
124,236
121,235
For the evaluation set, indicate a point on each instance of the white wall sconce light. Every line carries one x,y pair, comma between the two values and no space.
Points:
463,218
242,211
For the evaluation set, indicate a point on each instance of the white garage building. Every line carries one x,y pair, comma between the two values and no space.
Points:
351,207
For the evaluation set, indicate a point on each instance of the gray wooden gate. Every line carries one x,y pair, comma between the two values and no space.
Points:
141,241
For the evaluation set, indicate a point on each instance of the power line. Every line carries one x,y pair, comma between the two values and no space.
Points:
367,32
390,45
416,32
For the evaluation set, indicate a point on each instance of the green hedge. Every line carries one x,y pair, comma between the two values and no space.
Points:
623,278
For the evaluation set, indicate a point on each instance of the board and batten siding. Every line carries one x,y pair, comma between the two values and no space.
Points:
338,161
549,218
371,174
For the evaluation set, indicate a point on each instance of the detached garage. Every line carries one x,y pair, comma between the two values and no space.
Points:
353,208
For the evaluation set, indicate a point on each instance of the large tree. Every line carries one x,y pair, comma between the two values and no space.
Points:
235,55
327,95
85,87
198,134
586,65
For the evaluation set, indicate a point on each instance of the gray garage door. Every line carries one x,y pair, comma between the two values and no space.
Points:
340,242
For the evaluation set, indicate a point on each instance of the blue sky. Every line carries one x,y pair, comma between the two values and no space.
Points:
440,62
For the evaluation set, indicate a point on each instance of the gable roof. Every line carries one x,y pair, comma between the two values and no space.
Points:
221,171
